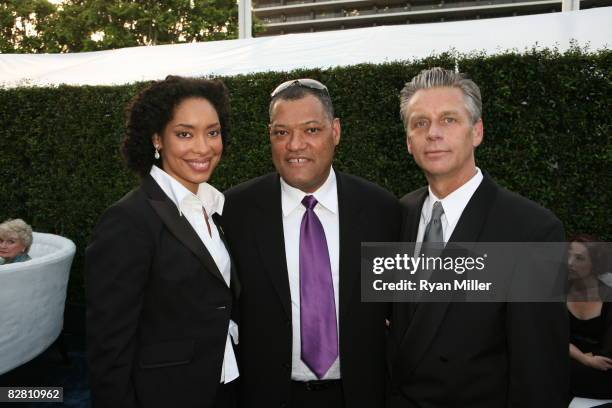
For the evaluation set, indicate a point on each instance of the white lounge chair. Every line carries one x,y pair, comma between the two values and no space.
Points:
32,299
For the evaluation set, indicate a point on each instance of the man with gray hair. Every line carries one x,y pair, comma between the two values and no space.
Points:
473,355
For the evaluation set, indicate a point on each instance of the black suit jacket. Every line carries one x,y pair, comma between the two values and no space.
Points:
158,308
489,355
254,227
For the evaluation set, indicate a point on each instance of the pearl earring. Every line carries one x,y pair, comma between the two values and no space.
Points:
156,155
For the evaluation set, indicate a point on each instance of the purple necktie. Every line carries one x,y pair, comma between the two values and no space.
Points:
317,307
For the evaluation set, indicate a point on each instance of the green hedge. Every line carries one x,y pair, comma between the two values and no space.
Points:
547,136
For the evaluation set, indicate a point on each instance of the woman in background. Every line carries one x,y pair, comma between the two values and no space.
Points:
159,280
590,320
15,241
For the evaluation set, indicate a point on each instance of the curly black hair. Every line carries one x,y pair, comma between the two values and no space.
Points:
153,107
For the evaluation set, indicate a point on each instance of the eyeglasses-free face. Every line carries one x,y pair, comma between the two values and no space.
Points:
191,143
441,137
303,140
10,247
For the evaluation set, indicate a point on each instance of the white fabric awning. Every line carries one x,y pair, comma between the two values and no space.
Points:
324,49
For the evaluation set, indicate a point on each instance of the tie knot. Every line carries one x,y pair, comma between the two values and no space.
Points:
309,202
437,211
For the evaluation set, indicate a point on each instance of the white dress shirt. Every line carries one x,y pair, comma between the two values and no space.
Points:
453,205
293,211
191,206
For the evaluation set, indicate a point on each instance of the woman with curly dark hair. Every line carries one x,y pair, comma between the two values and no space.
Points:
161,288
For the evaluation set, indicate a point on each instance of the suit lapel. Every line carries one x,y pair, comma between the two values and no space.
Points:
350,214
268,220
411,209
179,226
476,212
234,281
411,214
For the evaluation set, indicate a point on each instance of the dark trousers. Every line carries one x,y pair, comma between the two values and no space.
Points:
316,394
588,382
227,395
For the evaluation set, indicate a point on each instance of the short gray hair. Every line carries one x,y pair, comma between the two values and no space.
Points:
440,78
17,229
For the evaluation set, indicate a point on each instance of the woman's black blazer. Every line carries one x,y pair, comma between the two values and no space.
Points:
158,308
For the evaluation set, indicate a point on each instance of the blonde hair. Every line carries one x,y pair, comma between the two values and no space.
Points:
17,229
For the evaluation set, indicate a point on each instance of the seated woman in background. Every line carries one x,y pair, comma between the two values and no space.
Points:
15,241
590,320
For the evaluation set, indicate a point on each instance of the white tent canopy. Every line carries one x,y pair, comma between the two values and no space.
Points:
324,49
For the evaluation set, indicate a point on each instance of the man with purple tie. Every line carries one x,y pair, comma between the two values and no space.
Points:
306,339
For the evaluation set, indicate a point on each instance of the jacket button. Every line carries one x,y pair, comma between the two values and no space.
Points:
443,359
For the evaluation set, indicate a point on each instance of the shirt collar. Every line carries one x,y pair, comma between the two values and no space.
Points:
326,195
454,203
209,197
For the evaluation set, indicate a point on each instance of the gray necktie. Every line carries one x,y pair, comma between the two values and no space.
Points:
433,231
433,240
